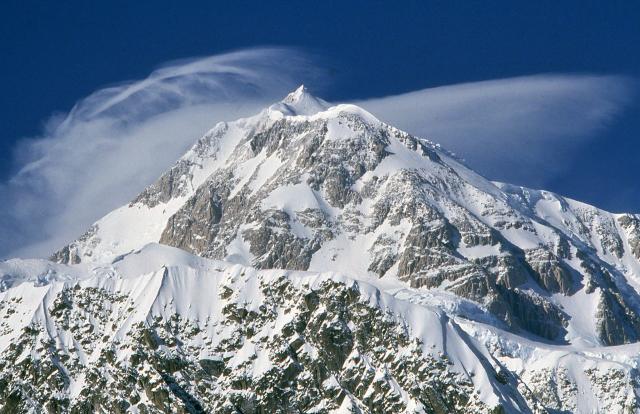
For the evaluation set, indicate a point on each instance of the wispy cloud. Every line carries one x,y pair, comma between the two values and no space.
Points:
516,129
519,129
119,139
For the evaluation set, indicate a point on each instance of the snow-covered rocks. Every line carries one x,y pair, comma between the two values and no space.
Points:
160,330
485,289
308,186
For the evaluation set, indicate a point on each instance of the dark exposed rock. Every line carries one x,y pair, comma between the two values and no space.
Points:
549,272
531,313
336,349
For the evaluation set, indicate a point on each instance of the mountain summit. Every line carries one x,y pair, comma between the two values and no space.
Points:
312,258
308,186
301,102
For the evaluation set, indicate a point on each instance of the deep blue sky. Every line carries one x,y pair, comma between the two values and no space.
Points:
54,53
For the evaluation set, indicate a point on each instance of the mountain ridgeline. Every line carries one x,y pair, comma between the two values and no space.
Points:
312,258
303,186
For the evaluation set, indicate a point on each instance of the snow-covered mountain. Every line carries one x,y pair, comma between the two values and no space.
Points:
161,330
413,284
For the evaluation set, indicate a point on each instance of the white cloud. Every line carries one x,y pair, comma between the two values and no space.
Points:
518,129
119,139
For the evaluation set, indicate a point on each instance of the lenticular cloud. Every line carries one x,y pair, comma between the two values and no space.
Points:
119,139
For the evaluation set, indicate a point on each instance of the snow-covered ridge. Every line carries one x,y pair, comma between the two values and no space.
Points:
160,308
310,186
427,287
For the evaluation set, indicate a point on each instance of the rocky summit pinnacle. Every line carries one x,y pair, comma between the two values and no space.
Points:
312,258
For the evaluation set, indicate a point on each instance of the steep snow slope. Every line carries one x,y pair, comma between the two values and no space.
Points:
308,186
162,330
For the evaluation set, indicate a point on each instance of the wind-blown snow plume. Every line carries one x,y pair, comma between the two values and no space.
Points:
119,139
507,128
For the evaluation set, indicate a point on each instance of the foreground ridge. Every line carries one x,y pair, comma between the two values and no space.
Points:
161,330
